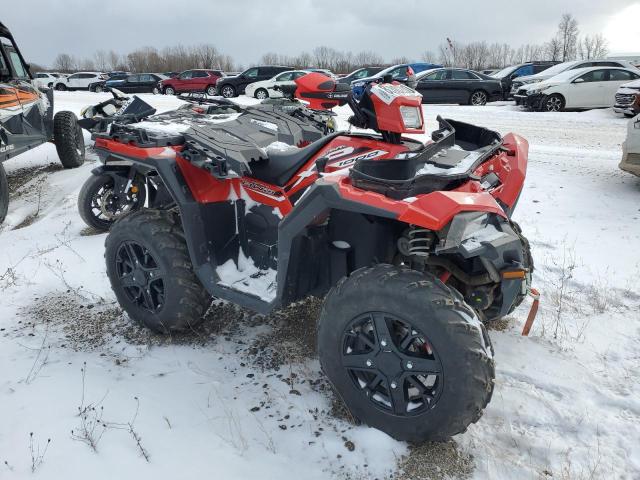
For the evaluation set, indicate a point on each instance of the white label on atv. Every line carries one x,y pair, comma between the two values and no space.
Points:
364,156
388,92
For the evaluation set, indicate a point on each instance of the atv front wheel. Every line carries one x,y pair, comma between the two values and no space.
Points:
100,205
405,353
151,274
68,138
4,194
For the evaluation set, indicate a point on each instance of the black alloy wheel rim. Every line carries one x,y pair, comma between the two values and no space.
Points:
554,104
106,205
392,363
140,276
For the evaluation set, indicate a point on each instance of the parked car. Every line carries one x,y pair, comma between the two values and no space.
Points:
457,85
79,80
197,80
508,74
170,74
117,75
45,79
233,86
631,148
489,71
400,73
627,99
323,71
563,67
264,89
592,87
136,83
363,72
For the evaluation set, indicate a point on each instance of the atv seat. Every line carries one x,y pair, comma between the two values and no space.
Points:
280,167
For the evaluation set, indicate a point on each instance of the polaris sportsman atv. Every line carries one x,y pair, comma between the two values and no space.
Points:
26,117
411,243
120,187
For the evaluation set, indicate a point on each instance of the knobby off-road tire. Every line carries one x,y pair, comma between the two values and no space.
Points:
91,198
443,328
527,258
4,194
68,138
156,238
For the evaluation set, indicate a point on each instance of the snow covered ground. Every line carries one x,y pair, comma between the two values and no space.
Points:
243,397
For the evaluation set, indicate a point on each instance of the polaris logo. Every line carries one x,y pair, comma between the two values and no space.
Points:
257,187
7,148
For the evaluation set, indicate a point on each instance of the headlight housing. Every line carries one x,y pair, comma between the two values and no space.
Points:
411,116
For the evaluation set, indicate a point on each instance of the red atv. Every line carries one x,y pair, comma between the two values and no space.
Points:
411,244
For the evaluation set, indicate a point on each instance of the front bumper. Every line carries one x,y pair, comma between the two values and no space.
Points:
532,102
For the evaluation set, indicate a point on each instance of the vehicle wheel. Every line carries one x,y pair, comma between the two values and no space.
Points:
553,103
261,94
155,90
228,91
151,274
61,87
4,194
68,138
211,90
477,98
50,85
527,258
98,89
405,353
169,91
99,206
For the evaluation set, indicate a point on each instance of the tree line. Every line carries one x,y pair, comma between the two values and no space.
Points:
566,44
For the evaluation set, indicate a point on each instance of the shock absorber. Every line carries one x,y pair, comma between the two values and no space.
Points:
418,242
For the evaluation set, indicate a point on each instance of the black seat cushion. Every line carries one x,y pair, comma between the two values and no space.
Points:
280,167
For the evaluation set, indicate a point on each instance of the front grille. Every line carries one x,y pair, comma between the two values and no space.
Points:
624,98
522,91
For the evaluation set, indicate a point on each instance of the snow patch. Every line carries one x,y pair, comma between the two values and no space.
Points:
246,277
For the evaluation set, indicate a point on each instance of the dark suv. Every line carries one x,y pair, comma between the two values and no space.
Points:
233,86
506,75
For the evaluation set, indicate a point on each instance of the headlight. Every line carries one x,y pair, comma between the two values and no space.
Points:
535,91
411,117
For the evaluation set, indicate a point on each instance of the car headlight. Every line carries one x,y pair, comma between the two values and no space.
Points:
411,117
535,91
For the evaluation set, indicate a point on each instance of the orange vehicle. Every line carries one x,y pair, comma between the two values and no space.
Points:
26,117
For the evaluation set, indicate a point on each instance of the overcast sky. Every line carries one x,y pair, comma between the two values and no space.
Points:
245,29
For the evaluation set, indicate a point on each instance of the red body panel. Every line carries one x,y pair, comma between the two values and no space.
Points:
433,210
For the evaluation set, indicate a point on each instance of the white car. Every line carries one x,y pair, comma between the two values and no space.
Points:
264,89
593,87
45,79
563,67
79,80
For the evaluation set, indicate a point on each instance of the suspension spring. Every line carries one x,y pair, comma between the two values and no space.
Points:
420,240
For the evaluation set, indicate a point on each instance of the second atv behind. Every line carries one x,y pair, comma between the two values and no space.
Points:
411,244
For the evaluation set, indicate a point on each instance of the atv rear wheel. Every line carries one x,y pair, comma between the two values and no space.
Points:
4,194
405,353
228,91
261,94
151,274
69,140
100,206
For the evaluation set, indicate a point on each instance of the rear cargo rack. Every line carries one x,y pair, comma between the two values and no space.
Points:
456,151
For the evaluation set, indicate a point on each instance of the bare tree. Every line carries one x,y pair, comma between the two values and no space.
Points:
101,61
64,63
428,56
568,36
553,49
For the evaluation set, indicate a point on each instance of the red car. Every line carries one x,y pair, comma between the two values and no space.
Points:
192,81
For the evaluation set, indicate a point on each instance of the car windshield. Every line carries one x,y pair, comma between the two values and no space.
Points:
566,75
384,72
556,69
425,73
505,71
